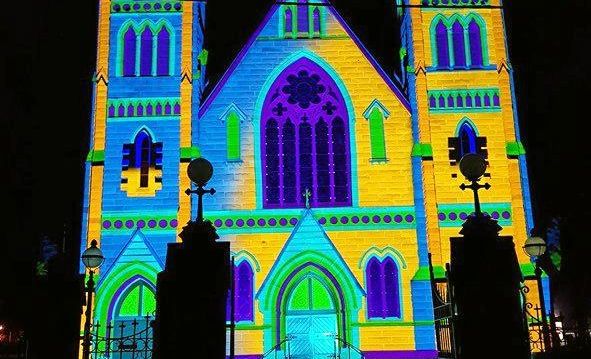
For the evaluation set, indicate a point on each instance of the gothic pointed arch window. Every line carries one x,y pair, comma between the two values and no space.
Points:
475,39
383,288
316,20
288,21
305,140
163,56
442,45
243,293
233,136
142,162
147,48
459,45
129,52
467,141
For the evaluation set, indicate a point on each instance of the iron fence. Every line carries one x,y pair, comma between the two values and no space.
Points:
131,339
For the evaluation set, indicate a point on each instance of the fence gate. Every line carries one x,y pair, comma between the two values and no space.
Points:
125,340
444,315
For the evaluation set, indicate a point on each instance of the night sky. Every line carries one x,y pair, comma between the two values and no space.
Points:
48,62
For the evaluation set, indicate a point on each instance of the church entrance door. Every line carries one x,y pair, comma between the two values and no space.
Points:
311,319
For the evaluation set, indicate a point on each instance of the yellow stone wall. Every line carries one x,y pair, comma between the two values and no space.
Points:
436,128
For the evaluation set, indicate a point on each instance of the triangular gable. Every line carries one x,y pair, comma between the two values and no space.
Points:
376,103
308,236
137,249
275,7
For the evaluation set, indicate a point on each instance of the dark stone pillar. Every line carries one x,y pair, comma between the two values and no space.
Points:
191,296
485,280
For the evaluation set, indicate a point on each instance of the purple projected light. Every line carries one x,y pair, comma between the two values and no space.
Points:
305,132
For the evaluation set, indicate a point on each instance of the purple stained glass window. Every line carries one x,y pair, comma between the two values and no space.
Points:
177,109
146,54
316,20
140,110
243,293
469,101
486,100
121,111
305,146
288,21
442,45
383,294
460,101
459,45
441,102
432,102
130,110
475,44
163,56
303,21
129,52
111,111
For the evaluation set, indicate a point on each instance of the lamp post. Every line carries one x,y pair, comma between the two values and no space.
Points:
535,247
200,172
92,258
473,167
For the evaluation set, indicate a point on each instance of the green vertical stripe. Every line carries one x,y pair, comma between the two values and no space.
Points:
376,134
233,136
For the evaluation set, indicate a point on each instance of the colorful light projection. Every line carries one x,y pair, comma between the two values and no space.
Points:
306,148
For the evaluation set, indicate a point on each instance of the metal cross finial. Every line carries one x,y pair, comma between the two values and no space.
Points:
475,186
307,195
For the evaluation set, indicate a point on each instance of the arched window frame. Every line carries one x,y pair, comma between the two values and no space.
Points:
139,28
448,23
377,135
244,261
477,144
376,299
270,126
133,157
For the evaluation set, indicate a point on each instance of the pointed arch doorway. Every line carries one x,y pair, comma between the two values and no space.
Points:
312,315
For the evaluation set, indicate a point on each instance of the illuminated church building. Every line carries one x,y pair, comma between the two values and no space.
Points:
334,179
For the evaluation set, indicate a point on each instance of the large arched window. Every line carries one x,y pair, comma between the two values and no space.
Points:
383,291
305,140
243,293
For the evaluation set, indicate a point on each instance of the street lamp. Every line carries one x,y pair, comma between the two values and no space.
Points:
473,167
200,172
92,258
535,247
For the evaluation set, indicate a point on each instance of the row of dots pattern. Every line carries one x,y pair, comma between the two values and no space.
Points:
452,216
283,222
129,224
147,7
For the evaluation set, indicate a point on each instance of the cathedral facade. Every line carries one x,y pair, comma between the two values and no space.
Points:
335,180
